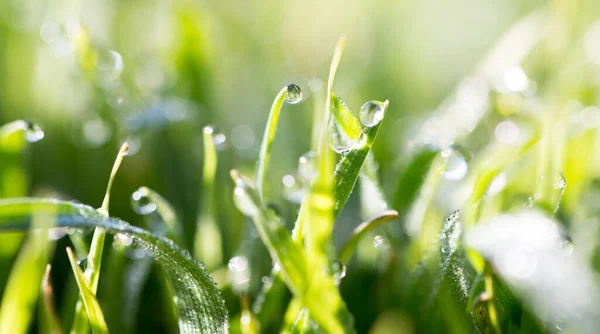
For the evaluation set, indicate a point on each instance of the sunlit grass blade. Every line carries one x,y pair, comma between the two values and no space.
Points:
199,304
326,304
23,286
208,243
94,258
93,310
348,169
52,321
372,196
361,230
292,94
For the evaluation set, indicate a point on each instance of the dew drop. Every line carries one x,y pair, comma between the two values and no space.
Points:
111,62
219,138
339,271
142,203
456,165
50,32
507,132
292,189
371,113
293,94
338,140
379,242
124,239
307,166
244,202
33,133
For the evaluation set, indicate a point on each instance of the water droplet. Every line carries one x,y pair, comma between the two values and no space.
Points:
72,230
56,233
507,132
73,28
82,261
378,241
135,144
110,62
124,239
265,279
338,140
456,166
219,138
339,271
240,273
307,166
142,203
49,32
371,113
566,244
244,202
33,133
292,190
293,94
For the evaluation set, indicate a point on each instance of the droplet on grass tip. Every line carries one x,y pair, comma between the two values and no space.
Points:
372,112
339,271
142,203
456,165
33,133
293,94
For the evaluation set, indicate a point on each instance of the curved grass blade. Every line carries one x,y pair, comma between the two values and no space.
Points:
372,198
94,258
412,179
361,230
269,135
164,210
93,310
198,303
23,286
208,241
53,324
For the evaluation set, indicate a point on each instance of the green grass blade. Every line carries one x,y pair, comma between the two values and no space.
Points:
323,301
23,287
412,179
348,169
199,304
53,324
94,258
93,310
164,210
361,230
267,142
208,241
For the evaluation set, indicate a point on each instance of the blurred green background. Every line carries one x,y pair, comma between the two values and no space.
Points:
95,73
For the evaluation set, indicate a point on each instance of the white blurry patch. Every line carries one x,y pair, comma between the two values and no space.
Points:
49,32
507,132
591,43
242,137
515,79
525,250
240,273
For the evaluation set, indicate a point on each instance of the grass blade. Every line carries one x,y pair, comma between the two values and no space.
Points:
199,304
208,243
361,230
23,287
94,258
54,326
348,169
94,312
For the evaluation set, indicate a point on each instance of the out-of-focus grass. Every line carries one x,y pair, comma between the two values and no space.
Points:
494,181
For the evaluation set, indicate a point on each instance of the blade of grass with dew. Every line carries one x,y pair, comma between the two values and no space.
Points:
93,310
49,309
361,230
208,244
348,169
199,304
162,221
291,259
94,258
23,286
291,94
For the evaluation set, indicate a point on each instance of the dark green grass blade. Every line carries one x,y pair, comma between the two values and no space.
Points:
198,301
